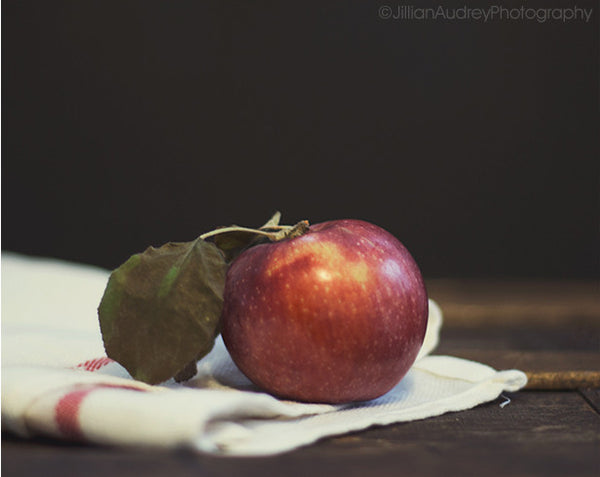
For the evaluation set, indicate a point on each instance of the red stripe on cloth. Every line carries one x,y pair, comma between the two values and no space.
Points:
94,364
66,411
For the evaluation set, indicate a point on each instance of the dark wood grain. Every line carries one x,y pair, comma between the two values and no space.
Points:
517,302
548,329
592,396
539,327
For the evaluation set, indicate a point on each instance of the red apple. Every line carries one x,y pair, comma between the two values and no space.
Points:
335,315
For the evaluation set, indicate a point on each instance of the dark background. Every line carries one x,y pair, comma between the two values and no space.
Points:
127,124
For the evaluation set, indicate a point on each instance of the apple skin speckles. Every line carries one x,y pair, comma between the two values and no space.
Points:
335,315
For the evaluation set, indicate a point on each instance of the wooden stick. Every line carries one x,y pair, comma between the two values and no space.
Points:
562,379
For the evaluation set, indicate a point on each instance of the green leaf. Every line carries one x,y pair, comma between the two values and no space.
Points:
160,311
235,242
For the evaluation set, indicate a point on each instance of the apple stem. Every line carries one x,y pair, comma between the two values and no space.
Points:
235,228
295,230
277,233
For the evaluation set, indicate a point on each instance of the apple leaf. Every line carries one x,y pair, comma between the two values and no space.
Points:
160,311
235,242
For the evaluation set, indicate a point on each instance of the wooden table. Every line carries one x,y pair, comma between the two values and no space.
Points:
551,330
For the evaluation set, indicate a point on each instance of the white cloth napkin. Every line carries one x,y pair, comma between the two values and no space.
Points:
56,380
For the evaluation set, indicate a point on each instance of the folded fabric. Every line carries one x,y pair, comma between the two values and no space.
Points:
57,381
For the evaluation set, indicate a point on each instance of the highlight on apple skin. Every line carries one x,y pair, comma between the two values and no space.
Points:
335,315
